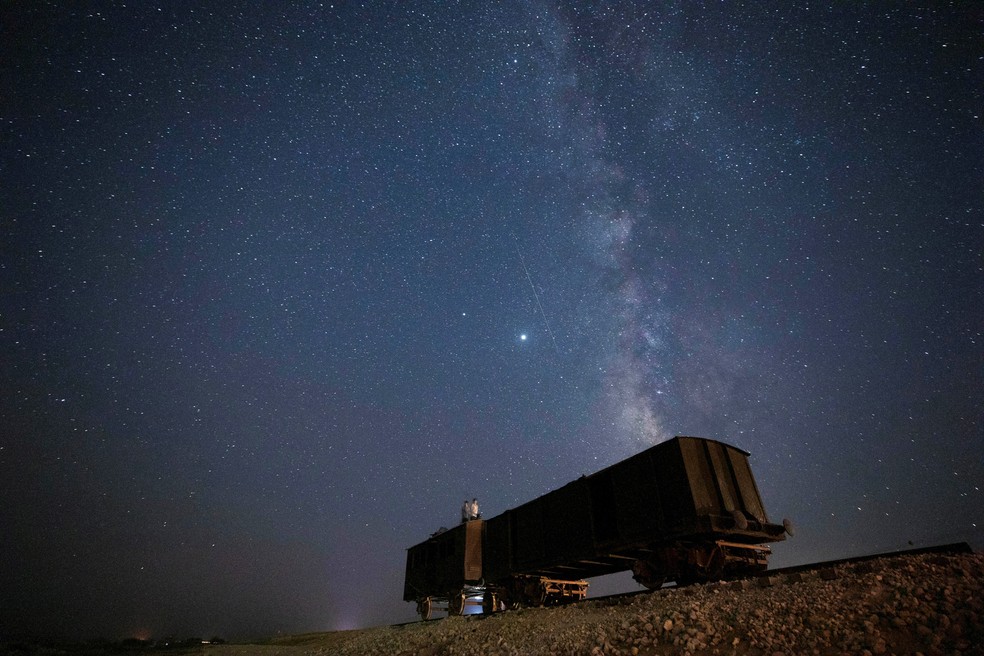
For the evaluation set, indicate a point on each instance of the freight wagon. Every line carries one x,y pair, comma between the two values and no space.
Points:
686,510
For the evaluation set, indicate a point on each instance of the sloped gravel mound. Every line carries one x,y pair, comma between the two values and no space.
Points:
925,604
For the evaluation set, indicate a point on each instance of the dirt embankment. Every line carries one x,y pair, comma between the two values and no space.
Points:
928,604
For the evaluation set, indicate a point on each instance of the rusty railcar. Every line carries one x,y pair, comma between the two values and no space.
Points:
443,569
686,510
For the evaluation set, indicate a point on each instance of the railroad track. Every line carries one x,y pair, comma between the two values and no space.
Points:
775,575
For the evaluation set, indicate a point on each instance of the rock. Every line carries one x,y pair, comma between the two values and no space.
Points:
813,617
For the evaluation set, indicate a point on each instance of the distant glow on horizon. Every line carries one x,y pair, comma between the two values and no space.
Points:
348,623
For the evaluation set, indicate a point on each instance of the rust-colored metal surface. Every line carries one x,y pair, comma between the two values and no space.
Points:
685,509
473,550
445,562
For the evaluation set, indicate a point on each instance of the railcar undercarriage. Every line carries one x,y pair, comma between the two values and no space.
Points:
516,592
699,562
539,591
454,603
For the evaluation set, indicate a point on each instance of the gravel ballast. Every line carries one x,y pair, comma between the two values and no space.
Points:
915,604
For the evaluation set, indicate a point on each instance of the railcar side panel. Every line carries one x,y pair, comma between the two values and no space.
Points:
498,562
638,510
601,489
723,478
751,501
567,522
527,534
673,485
447,561
699,476
473,550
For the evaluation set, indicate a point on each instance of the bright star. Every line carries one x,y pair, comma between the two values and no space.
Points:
522,337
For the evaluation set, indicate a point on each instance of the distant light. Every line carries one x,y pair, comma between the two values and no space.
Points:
522,337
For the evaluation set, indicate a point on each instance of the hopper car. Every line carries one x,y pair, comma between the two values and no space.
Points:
686,510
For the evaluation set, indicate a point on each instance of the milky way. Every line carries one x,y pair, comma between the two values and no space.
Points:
282,286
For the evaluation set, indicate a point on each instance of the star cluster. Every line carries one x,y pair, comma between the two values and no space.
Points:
282,285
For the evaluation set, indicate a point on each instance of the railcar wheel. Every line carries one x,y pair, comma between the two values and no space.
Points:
490,603
425,608
648,575
705,563
515,594
456,603
654,582
536,593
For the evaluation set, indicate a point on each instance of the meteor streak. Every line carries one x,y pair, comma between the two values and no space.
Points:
535,295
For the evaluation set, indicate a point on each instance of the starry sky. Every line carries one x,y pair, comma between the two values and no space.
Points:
280,286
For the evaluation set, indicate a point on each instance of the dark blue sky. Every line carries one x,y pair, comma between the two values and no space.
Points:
266,274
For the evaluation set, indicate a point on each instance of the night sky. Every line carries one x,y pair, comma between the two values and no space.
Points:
280,287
